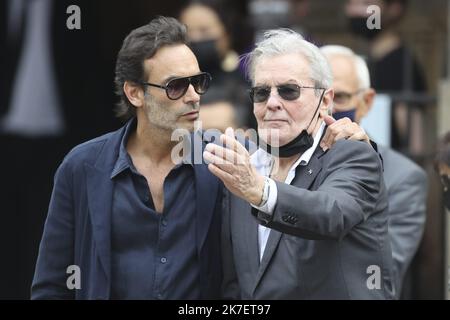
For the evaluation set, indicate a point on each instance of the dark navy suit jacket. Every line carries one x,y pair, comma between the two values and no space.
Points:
78,227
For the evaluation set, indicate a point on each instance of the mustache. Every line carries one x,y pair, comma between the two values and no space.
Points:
270,116
189,107
195,106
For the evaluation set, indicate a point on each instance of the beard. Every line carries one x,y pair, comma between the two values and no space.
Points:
164,115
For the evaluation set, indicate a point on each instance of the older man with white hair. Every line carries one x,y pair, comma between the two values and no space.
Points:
406,182
300,222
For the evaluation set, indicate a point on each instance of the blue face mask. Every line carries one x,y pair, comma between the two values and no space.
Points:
342,114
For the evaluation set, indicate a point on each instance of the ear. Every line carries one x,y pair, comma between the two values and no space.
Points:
368,98
327,101
134,93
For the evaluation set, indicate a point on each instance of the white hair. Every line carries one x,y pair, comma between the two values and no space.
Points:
286,41
362,71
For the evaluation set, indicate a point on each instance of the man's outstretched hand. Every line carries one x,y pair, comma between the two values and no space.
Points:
231,164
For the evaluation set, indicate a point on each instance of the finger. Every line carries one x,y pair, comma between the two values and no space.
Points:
325,139
360,130
359,136
218,161
354,130
356,137
229,132
332,131
224,153
344,120
329,120
221,174
233,144
341,135
340,125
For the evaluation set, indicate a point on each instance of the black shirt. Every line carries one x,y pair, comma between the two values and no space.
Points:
154,255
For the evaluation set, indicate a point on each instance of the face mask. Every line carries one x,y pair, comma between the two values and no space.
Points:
342,114
300,144
358,25
207,55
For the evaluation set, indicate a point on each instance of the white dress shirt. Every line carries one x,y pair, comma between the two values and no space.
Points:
263,162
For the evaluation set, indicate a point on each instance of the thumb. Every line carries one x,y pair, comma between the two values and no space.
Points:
329,120
229,132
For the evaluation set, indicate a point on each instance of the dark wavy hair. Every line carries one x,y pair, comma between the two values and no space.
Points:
142,44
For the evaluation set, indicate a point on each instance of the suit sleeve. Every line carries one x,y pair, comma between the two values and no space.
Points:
407,213
56,250
348,193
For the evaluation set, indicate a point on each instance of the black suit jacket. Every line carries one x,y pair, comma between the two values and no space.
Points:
78,226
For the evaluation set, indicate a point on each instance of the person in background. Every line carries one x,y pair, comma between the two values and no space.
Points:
393,67
53,95
298,11
406,182
209,25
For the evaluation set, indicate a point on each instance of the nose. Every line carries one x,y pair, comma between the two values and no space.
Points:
191,96
273,102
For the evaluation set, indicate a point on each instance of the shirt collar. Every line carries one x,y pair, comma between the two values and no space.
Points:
123,161
306,156
262,159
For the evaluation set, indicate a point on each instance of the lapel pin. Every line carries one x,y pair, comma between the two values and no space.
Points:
310,171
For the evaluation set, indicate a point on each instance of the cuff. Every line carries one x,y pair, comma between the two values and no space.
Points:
269,206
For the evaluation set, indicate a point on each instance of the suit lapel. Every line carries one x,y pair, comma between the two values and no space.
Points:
99,192
246,226
100,197
272,244
304,177
206,191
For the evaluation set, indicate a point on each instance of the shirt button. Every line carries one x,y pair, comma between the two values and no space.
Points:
159,296
163,260
164,222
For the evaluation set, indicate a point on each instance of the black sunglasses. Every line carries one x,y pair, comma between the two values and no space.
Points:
177,87
289,92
